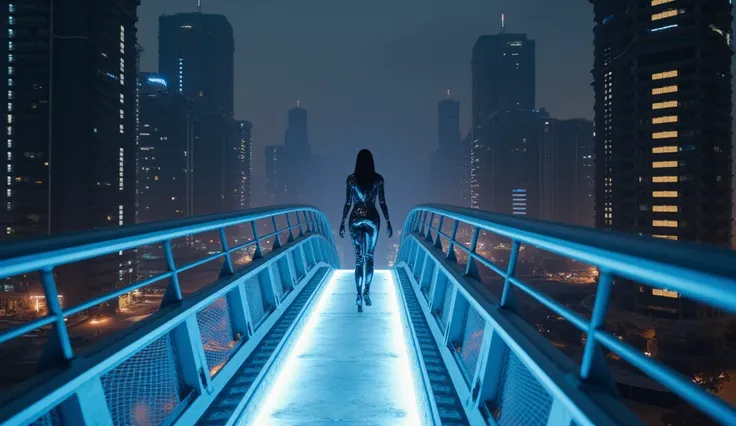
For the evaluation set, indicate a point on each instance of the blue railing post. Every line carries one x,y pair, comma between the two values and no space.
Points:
258,253
471,268
173,291
276,237
291,231
593,366
87,407
508,299
190,356
453,240
299,224
227,265
58,347
237,302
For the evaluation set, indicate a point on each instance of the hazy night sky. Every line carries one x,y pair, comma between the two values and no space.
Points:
371,73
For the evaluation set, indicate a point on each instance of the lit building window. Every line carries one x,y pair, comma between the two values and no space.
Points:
663,105
664,223
663,75
665,194
665,293
665,209
665,179
665,119
665,14
666,89
664,149
665,135
664,164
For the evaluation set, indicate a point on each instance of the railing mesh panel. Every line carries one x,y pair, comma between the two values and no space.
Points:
255,300
278,285
523,400
144,389
446,303
472,341
216,331
49,419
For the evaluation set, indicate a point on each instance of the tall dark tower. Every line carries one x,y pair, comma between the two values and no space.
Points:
447,161
662,80
196,53
196,56
69,162
298,156
503,106
503,75
448,119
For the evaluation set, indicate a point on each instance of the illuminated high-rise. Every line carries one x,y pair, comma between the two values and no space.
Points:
662,81
69,161
196,56
503,68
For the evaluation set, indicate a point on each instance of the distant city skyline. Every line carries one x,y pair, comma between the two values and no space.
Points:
348,110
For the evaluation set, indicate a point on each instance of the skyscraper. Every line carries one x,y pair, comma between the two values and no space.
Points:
564,153
165,145
662,80
503,67
238,167
447,161
196,53
71,119
448,120
275,174
505,169
196,56
297,155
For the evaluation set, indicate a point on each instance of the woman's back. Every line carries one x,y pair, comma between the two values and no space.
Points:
363,195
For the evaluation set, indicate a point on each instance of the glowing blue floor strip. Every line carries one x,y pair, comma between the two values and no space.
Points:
347,367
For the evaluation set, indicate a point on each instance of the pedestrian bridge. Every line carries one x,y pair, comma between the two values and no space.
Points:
276,339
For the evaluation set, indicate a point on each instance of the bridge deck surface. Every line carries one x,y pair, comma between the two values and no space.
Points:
347,367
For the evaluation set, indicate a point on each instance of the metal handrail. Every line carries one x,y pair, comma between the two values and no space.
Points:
702,273
44,254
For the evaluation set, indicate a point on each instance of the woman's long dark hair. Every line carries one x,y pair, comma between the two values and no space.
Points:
365,169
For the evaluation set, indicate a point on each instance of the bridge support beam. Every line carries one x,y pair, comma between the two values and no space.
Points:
87,407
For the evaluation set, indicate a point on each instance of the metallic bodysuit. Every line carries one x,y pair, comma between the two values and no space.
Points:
364,225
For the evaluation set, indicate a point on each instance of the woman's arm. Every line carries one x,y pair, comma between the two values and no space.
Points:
348,199
384,207
382,200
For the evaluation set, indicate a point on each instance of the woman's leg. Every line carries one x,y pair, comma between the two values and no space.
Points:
371,239
357,236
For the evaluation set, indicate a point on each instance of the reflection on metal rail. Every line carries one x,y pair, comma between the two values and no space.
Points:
510,373
179,356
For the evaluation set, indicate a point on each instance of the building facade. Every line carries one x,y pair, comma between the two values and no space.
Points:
276,185
503,69
297,153
166,140
662,80
446,168
564,152
71,118
196,56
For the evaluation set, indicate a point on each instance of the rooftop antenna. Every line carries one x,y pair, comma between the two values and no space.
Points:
199,6
503,23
